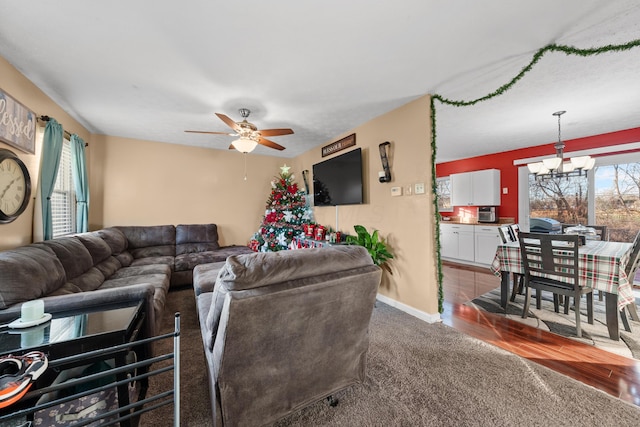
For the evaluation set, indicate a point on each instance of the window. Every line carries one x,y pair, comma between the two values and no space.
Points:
443,188
564,199
63,199
608,195
617,199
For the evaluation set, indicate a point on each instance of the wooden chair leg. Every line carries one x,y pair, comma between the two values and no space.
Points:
633,312
515,288
625,321
576,307
590,308
527,301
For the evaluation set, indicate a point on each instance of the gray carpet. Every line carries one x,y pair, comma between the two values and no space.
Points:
562,324
418,374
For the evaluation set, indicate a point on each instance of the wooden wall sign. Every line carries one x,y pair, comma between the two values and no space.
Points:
334,147
17,124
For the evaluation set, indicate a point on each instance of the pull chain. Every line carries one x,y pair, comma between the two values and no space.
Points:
245,166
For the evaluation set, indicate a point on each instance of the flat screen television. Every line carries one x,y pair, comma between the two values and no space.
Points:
338,181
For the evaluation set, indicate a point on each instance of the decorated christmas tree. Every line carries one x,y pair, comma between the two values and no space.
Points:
285,215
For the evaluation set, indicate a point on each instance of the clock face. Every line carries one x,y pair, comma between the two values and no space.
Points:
15,187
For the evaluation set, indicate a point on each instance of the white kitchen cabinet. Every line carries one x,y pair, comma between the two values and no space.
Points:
478,188
457,241
487,239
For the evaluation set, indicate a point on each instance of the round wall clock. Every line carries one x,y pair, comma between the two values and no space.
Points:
15,186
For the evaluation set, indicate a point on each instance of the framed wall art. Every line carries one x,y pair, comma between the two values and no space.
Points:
17,124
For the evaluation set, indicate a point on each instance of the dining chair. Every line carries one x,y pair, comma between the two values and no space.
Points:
630,270
551,264
601,230
510,234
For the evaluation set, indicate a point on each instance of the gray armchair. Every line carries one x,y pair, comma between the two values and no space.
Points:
282,330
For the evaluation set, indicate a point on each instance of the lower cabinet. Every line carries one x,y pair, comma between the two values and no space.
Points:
487,240
456,241
474,244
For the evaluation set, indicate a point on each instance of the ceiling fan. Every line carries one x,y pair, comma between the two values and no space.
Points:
249,134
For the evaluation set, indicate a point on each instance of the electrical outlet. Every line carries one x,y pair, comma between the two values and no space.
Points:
419,188
396,191
505,190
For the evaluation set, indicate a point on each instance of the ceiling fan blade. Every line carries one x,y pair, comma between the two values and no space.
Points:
270,144
275,132
211,133
231,147
233,125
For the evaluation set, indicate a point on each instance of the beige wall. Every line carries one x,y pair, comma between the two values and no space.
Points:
20,231
406,222
136,182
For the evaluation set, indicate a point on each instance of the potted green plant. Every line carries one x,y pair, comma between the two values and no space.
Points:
376,246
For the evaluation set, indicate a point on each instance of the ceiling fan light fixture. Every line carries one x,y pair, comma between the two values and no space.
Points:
244,144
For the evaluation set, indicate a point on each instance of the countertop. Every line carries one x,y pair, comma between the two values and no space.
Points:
474,221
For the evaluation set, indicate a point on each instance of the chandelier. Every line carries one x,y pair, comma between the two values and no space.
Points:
557,166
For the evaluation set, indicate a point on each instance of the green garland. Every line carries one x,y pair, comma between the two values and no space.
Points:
568,50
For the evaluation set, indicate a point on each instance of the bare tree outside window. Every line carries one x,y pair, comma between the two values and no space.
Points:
563,199
617,203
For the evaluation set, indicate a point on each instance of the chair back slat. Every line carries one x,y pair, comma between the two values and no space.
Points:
551,257
508,233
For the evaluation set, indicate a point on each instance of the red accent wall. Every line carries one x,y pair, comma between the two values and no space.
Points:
509,172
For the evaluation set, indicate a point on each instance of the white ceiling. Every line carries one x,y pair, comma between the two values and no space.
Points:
149,70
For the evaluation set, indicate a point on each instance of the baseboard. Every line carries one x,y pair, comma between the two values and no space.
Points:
429,318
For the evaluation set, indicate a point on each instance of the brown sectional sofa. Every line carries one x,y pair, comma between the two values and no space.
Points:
111,265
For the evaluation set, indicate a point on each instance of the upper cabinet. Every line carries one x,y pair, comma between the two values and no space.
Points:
479,188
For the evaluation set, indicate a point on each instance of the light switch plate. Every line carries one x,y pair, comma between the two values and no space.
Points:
419,188
396,191
505,190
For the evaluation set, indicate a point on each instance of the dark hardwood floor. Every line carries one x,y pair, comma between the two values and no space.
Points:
616,375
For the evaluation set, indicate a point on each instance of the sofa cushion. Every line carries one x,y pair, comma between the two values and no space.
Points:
152,260
150,241
109,266
115,238
73,255
125,258
257,269
188,261
27,273
141,270
191,238
90,280
97,247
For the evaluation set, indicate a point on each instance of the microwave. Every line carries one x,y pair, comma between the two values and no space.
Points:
487,214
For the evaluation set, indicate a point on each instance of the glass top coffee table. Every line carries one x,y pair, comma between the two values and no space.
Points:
74,333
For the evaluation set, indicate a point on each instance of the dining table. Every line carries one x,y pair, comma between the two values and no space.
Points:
601,267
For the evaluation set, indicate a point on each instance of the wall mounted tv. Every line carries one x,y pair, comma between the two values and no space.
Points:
338,181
